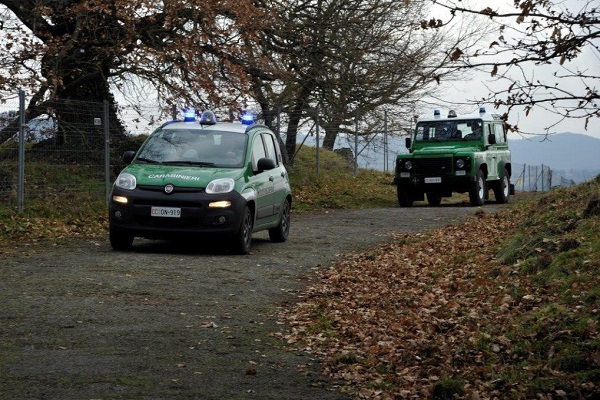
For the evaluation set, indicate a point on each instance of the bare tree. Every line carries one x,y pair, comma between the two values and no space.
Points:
83,50
343,55
544,35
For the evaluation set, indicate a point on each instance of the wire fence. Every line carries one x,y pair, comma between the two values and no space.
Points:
72,147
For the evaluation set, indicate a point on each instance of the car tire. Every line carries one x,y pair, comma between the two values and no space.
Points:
282,230
405,198
120,240
434,198
243,237
502,188
477,190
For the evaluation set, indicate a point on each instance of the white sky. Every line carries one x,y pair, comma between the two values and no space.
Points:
537,119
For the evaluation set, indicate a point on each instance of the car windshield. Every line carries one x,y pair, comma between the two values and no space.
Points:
195,147
466,129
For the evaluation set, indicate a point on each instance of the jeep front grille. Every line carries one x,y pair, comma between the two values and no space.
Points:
433,166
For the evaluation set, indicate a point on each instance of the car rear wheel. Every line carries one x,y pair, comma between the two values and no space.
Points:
243,237
120,240
477,191
280,232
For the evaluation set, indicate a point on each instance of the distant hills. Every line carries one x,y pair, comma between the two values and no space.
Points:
570,155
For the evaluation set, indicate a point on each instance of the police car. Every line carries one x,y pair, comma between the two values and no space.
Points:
455,153
202,178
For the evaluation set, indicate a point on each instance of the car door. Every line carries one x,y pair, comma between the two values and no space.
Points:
278,175
262,183
491,154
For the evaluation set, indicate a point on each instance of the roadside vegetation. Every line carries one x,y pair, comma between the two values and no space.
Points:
505,305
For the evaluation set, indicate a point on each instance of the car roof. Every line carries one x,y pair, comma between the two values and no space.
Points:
219,126
233,127
482,116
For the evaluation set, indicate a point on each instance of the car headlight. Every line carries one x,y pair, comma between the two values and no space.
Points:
126,181
222,185
460,163
408,165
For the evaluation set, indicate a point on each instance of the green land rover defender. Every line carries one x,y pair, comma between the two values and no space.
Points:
455,154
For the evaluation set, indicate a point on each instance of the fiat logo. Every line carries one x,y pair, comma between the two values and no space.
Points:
169,188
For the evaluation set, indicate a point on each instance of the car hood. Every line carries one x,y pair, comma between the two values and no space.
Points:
446,148
183,176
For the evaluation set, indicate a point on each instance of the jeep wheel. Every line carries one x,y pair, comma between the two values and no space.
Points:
502,188
120,240
477,190
280,232
243,237
434,198
405,198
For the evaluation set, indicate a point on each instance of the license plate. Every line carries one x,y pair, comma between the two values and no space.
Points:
167,212
433,180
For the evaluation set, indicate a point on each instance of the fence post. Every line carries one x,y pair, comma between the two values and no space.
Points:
356,143
106,152
385,142
21,178
317,133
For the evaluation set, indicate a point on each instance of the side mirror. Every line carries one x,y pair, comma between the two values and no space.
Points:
265,164
407,143
128,156
491,138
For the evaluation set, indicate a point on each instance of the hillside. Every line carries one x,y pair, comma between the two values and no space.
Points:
564,151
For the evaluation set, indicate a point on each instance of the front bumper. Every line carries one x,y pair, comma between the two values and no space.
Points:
447,184
196,216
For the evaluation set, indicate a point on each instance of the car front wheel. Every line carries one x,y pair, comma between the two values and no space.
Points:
405,197
502,189
477,191
243,237
120,240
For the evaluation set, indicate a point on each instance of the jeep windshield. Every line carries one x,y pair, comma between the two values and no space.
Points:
195,147
445,130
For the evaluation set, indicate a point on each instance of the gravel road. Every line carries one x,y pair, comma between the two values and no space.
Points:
177,320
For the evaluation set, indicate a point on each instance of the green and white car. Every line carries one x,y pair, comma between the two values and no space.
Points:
202,178
458,153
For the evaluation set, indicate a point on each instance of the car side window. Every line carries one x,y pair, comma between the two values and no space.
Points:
499,133
271,152
258,151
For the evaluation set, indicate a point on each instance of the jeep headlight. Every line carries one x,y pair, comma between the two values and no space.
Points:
126,181
408,165
460,163
221,185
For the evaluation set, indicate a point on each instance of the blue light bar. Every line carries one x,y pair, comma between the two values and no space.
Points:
482,110
247,118
208,118
189,115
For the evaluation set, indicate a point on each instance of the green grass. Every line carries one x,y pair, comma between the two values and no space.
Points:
69,200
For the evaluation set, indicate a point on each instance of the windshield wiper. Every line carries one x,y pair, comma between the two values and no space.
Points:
147,160
182,162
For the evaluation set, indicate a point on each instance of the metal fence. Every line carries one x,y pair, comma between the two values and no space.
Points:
49,160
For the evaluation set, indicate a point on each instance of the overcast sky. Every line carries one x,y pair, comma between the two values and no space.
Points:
538,119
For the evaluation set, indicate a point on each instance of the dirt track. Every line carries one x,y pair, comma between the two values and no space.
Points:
177,320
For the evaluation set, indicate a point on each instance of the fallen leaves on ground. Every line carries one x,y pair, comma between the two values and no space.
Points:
400,320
